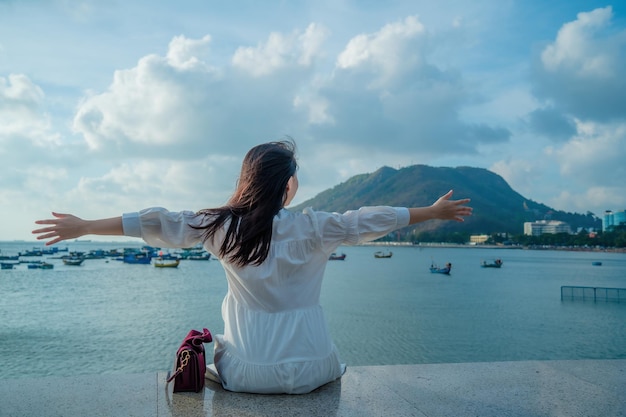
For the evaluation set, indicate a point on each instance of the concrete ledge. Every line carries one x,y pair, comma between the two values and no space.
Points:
585,388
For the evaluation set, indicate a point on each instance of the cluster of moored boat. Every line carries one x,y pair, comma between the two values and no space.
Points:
145,255
154,256
11,261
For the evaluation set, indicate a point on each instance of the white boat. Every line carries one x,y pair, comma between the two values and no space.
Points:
166,263
73,261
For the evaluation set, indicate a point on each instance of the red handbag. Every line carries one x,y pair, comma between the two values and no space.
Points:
190,364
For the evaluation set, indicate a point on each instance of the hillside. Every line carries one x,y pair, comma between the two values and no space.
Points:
497,207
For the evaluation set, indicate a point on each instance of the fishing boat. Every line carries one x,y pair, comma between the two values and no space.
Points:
194,254
495,264
137,258
166,263
73,261
34,252
200,256
445,270
40,265
381,254
334,257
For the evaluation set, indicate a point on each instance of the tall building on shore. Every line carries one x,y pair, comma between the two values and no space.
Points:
612,219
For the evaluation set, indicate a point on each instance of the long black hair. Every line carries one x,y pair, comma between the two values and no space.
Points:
259,196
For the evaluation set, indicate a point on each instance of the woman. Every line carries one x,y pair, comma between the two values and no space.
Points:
275,335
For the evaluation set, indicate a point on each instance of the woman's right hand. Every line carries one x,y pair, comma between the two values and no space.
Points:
446,209
62,227
442,209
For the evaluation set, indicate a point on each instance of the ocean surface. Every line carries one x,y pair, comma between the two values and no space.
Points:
109,317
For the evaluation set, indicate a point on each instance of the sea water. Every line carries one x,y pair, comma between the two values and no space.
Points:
109,317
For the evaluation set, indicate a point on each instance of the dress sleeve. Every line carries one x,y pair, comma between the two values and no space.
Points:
358,226
162,228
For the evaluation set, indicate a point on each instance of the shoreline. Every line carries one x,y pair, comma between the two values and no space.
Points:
376,244
482,246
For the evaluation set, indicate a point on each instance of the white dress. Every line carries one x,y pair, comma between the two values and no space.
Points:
275,335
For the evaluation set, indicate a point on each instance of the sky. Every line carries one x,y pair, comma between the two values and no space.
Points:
109,107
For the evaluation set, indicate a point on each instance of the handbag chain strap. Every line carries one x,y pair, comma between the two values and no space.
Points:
184,360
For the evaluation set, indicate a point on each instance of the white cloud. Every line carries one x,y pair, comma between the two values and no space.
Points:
582,174
384,88
177,185
577,49
312,43
22,113
579,83
316,108
601,198
158,103
281,51
394,49
189,54
181,105
581,72
595,145
19,91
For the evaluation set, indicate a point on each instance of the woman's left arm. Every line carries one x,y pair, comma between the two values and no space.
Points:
67,226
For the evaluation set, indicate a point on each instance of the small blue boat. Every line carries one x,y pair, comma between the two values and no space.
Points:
137,258
40,265
445,270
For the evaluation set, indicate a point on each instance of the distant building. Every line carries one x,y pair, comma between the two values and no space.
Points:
478,239
612,219
539,227
590,230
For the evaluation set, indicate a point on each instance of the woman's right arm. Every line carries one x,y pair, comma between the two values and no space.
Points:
370,223
156,226
68,226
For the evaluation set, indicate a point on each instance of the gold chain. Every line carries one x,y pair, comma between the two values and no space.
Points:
184,360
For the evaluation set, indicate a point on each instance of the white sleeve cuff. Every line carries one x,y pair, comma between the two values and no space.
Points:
403,216
131,224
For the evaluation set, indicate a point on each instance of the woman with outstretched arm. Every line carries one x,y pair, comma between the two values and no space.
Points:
275,335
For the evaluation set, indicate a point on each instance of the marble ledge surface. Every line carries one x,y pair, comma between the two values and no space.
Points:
586,388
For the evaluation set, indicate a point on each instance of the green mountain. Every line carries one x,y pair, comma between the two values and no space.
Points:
497,207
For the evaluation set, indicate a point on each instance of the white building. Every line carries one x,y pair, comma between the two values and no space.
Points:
478,239
540,227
